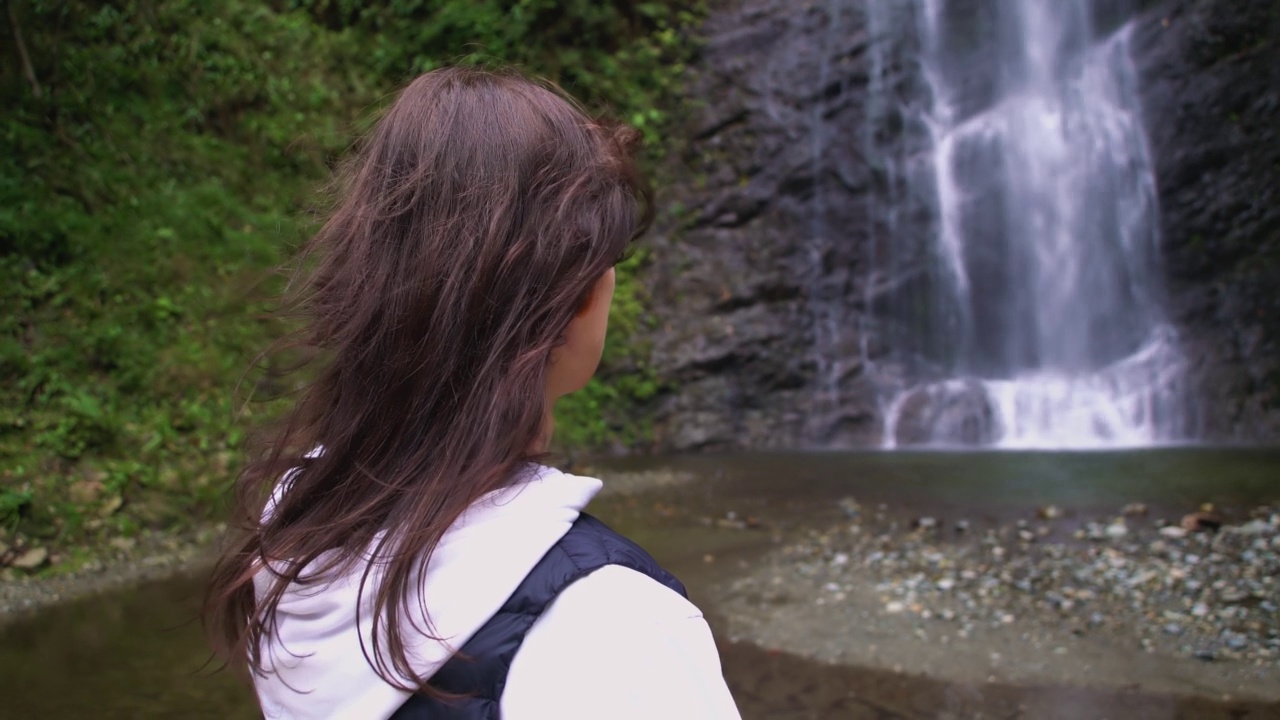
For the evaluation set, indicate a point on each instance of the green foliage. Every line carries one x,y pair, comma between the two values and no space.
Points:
161,172
623,55
12,502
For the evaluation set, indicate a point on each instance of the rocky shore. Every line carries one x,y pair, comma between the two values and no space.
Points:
122,564
1179,604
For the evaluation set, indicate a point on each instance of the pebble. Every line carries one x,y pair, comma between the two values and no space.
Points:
31,559
1235,641
1190,593
1233,595
1117,529
1253,527
1201,521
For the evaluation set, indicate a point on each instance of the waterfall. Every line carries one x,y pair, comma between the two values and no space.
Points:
1033,316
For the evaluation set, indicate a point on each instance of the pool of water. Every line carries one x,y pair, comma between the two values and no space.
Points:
998,482
139,653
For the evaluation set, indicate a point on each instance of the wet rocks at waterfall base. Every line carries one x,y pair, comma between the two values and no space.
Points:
955,413
1050,584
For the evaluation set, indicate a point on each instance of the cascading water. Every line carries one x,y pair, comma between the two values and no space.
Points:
1041,294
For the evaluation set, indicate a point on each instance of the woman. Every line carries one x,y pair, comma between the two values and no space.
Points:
404,553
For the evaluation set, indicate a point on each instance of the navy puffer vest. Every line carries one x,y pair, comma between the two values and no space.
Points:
479,671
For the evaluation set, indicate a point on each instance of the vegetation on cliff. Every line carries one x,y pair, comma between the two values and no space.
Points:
158,159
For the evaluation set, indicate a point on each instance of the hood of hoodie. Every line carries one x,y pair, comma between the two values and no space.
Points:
315,665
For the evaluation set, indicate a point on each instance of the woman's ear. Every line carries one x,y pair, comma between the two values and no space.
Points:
600,291
574,361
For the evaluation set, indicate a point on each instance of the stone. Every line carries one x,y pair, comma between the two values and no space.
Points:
30,559
1200,521
1233,595
1253,527
1117,529
86,492
111,506
949,413
849,507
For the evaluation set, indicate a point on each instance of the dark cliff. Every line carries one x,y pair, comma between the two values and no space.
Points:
1211,94
759,306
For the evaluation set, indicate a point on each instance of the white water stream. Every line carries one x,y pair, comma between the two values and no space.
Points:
1046,229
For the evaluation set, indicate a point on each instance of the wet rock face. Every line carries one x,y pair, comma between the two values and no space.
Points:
958,413
1211,93
756,284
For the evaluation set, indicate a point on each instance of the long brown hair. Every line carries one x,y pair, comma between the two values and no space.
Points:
470,226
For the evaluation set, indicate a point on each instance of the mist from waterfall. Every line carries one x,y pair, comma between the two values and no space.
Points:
1034,318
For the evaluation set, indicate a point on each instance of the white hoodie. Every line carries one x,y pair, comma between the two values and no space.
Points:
615,644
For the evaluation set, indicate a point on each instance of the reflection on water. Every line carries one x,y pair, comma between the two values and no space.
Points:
134,654
139,654
996,482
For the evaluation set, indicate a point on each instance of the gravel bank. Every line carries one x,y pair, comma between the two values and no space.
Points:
1122,601
151,556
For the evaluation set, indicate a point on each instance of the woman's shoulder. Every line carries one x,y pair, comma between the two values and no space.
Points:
614,590
606,643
